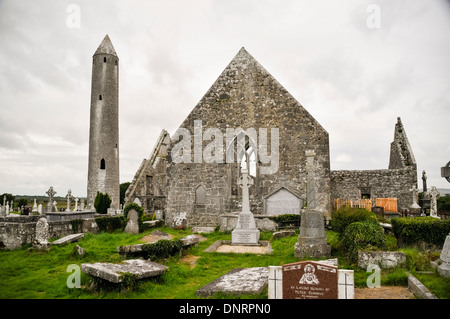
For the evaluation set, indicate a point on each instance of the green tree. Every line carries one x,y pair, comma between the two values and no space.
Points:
21,202
102,202
443,203
9,198
123,189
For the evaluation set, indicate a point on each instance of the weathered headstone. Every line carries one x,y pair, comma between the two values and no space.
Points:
39,209
132,225
82,205
444,267
312,240
281,202
76,204
434,193
245,232
310,280
41,234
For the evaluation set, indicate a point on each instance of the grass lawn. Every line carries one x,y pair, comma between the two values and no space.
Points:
31,274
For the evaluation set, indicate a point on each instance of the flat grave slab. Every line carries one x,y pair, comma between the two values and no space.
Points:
68,239
226,246
114,272
238,281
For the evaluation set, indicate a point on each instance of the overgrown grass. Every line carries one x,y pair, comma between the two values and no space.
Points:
28,273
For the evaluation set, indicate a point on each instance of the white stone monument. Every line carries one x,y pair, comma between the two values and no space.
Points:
245,232
69,200
35,208
434,193
444,267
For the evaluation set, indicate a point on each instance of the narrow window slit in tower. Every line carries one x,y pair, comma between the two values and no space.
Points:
100,97
104,59
115,62
102,163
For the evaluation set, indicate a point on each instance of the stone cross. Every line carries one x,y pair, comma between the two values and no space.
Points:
311,179
434,196
445,172
69,199
424,181
50,194
76,204
245,181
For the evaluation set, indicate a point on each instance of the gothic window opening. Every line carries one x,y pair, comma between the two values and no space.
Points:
102,164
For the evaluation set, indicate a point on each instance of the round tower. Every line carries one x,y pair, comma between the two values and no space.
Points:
103,170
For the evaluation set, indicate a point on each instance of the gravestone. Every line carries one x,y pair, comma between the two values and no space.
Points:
310,280
444,267
39,209
245,232
281,202
41,234
434,193
132,225
312,240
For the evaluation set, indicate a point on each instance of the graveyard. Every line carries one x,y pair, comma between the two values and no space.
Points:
43,272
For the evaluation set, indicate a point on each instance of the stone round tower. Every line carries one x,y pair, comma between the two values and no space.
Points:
103,170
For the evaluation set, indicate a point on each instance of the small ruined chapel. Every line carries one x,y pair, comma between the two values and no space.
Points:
268,122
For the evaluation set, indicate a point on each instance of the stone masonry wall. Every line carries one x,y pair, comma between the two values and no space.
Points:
382,183
246,96
16,231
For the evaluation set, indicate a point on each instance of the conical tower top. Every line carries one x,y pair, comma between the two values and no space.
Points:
106,47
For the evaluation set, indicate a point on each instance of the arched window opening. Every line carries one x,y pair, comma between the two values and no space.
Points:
200,195
102,164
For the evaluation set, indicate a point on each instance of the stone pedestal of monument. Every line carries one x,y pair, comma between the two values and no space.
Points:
312,241
245,232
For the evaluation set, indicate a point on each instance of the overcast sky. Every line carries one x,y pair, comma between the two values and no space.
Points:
353,69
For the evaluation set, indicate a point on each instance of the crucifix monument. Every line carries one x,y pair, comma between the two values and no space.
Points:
50,194
312,240
245,232
69,200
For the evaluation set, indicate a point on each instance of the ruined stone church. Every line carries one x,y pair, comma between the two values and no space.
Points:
268,123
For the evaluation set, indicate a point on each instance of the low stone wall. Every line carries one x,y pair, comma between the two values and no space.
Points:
64,216
16,231
263,223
